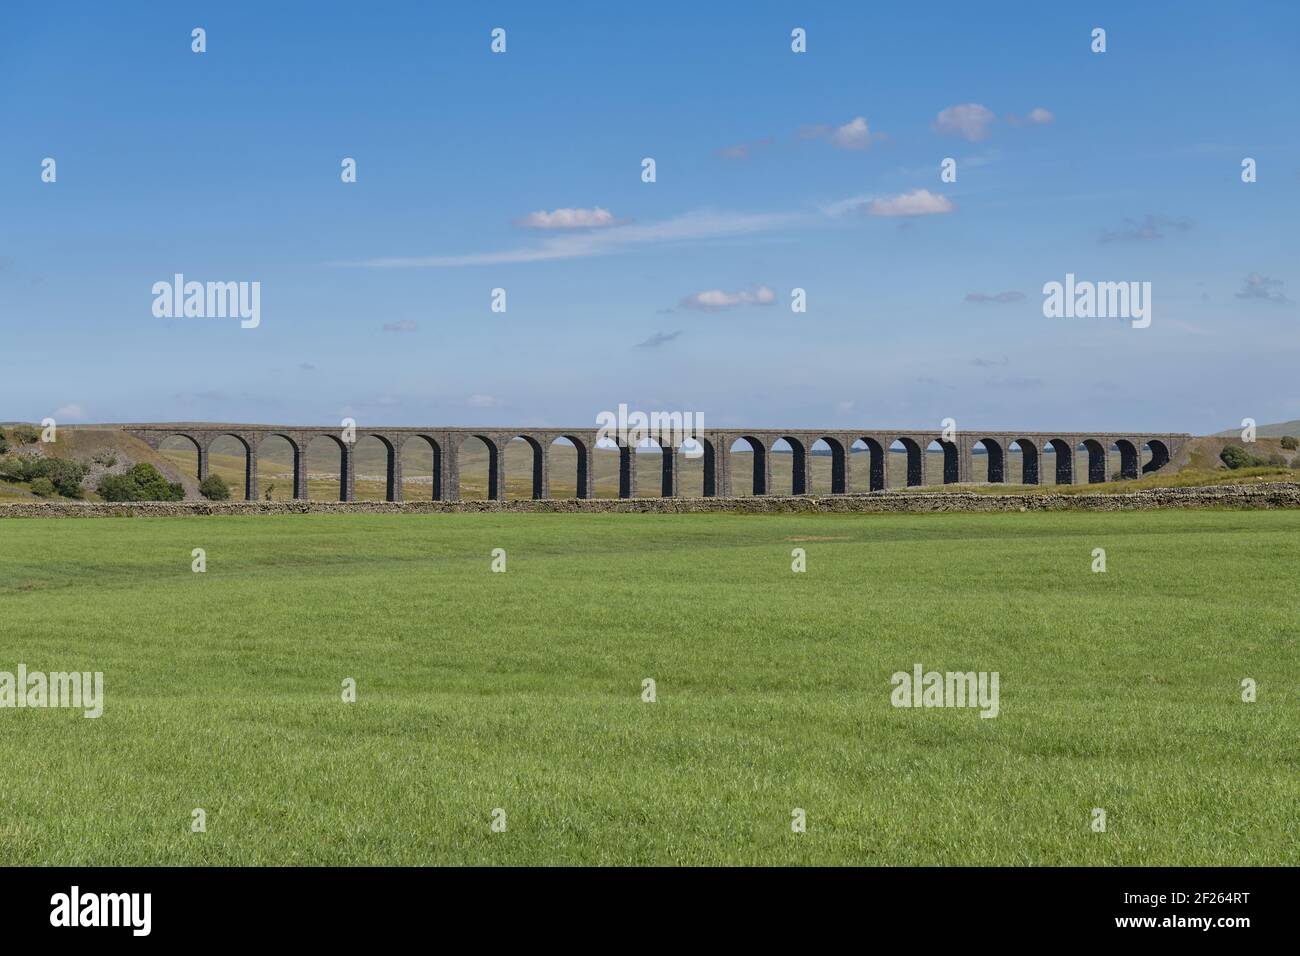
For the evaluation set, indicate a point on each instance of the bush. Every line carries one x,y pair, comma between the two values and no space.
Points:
1290,442
1277,460
64,475
24,434
1234,456
214,488
142,483
105,458
116,488
43,488
4,443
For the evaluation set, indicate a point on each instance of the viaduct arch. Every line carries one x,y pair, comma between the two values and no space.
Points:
714,446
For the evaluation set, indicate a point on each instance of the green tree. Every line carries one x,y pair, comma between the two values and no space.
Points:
43,488
1290,442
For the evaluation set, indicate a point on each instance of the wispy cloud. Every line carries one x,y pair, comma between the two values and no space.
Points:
691,227
596,218
990,363
484,401
69,411
919,202
658,339
715,300
743,150
1035,117
970,121
1151,227
1011,295
1260,288
405,325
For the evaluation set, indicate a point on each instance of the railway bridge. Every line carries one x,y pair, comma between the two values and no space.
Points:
1138,452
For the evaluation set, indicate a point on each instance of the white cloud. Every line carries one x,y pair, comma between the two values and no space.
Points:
1035,117
484,401
969,120
919,202
568,219
405,325
852,135
690,227
714,300
69,411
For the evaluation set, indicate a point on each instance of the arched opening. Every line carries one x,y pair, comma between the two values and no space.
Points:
374,462
569,461
326,469
941,459
182,451
1159,455
827,467
478,463
278,469
523,468
1092,460
421,469
228,456
1129,459
1024,465
607,459
789,456
868,462
691,467
654,469
988,462
909,453
1062,470
749,467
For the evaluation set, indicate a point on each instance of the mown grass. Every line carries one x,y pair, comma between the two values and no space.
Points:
522,690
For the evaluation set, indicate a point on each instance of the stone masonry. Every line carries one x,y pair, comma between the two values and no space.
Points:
445,444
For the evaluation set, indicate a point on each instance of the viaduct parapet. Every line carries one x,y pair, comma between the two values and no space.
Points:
714,445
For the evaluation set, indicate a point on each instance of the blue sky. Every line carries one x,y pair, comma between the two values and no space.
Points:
775,170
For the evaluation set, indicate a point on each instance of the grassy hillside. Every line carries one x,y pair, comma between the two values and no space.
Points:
1276,430
523,690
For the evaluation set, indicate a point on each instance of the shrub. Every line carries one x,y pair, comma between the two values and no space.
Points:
64,474
43,488
214,488
4,443
1234,456
24,434
1277,460
142,483
1290,442
116,488
269,488
105,458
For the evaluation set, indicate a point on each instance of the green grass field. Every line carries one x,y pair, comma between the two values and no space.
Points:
522,690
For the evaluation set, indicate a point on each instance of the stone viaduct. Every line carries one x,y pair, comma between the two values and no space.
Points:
714,446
